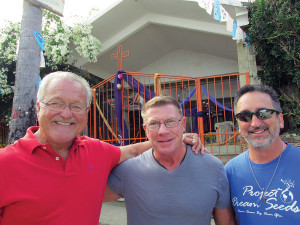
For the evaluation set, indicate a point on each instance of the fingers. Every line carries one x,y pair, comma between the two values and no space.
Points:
203,150
196,146
189,139
194,140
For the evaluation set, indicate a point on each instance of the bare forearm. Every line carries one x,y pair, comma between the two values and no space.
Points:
110,196
141,147
224,216
134,150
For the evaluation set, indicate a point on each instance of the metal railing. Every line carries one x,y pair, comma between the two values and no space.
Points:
207,102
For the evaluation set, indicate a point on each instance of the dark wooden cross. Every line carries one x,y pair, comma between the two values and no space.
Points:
119,55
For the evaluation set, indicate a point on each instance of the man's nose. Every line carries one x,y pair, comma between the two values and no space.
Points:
163,128
66,111
255,122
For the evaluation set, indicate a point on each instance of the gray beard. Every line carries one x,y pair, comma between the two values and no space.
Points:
262,143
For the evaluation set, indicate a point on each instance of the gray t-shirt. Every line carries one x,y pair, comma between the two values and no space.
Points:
184,196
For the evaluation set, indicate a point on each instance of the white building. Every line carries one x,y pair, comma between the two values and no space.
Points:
171,37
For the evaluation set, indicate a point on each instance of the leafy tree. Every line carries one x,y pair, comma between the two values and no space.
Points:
59,38
274,27
8,45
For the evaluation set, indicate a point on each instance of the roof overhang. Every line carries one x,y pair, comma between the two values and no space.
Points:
150,29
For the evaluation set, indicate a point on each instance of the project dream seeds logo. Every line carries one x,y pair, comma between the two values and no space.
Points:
279,201
287,196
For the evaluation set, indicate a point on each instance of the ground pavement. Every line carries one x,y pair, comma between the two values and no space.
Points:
113,213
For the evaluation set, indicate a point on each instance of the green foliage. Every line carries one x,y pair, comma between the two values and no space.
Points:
274,32
292,109
9,36
274,27
210,139
58,41
59,36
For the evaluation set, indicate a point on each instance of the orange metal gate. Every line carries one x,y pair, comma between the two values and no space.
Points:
207,104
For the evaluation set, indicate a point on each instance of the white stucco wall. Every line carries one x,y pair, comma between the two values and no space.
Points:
187,63
92,68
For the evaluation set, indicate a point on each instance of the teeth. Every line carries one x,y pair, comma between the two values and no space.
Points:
61,123
258,132
165,141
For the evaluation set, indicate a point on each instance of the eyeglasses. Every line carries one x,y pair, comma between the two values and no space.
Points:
169,123
59,107
262,114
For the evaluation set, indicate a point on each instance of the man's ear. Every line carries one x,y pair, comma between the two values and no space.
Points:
146,131
38,107
184,123
281,120
87,112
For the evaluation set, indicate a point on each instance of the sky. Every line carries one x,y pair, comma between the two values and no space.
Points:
12,9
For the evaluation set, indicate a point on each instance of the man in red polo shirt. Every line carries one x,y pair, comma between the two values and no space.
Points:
51,176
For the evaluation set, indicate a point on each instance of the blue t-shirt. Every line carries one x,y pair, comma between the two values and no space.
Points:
282,205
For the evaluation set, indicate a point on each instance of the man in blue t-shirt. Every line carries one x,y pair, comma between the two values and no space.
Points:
264,180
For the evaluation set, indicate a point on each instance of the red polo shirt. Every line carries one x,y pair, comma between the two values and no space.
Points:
37,186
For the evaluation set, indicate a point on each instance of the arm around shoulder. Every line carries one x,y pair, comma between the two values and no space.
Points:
134,150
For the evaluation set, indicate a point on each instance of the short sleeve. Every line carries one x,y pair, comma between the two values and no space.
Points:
115,179
224,192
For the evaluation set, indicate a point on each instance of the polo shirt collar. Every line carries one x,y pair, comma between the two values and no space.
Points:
29,142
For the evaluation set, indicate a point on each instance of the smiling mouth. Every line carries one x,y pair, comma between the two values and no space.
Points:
64,123
258,132
165,141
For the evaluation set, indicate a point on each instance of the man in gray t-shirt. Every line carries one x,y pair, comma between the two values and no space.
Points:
169,184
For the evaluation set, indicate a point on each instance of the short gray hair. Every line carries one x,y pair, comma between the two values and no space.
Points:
62,75
259,88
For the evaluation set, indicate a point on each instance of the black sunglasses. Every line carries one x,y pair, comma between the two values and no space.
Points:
262,114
